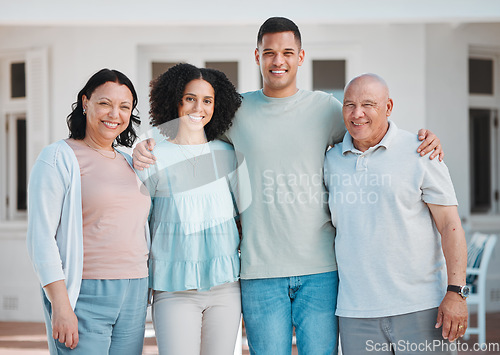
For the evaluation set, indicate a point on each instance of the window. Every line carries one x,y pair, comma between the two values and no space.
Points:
484,133
13,142
17,80
24,114
228,68
484,160
159,68
329,76
480,76
16,166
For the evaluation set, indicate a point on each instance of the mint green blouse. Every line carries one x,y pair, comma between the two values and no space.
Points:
192,219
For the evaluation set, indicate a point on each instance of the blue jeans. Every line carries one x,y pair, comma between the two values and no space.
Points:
272,307
111,318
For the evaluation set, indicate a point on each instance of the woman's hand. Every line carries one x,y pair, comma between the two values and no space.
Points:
65,326
64,320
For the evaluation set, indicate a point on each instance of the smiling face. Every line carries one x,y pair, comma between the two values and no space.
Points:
279,56
366,109
108,112
197,106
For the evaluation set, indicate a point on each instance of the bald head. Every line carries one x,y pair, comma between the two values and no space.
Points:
367,107
369,78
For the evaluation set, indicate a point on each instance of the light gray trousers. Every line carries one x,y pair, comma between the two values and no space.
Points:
197,323
405,334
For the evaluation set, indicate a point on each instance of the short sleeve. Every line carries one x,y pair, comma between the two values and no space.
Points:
338,127
437,186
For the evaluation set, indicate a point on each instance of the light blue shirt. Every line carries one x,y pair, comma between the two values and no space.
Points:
194,235
388,248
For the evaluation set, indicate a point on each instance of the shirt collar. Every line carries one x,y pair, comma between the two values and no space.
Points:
348,146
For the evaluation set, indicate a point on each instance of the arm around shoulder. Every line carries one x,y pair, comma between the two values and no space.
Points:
338,128
142,154
430,143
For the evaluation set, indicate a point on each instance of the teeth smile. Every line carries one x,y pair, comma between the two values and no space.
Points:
278,71
196,118
111,124
359,124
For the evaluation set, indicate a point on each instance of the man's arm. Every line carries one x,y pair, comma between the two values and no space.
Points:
452,313
430,142
142,156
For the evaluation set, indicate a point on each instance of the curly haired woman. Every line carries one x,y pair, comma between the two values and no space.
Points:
194,260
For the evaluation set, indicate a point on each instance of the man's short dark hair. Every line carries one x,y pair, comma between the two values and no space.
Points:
279,24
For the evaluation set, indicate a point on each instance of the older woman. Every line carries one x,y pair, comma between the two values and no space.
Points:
194,265
86,227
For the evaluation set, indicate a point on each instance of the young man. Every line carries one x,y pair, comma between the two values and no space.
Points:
399,236
288,268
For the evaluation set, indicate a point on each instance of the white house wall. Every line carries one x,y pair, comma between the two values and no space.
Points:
447,114
424,65
447,110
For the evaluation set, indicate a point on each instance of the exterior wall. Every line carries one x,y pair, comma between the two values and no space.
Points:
424,65
447,98
447,114
19,286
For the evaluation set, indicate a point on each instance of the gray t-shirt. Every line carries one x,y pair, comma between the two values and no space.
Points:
286,229
388,248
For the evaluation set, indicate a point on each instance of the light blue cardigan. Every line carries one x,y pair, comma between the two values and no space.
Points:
55,232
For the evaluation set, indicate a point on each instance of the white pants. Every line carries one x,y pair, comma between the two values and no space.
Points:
197,323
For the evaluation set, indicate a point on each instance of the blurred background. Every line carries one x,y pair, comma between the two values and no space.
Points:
441,60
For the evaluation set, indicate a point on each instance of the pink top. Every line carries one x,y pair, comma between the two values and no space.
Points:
115,208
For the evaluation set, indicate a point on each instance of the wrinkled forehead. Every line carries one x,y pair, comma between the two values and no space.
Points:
366,87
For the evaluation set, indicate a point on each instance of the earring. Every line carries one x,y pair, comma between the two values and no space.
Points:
84,111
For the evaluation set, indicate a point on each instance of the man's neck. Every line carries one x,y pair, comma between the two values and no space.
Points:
366,144
280,93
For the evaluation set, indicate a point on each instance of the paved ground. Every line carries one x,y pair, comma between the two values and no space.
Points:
23,338
18,338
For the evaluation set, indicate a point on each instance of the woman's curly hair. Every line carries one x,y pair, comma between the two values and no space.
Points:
76,120
168,89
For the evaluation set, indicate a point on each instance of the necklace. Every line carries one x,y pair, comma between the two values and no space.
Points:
98,151
192,160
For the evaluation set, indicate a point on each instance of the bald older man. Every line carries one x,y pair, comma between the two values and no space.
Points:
399,239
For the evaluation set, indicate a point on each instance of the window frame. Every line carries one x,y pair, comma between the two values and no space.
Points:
491,103
350,53
338,93
13,213
34,107
248,72
11,110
